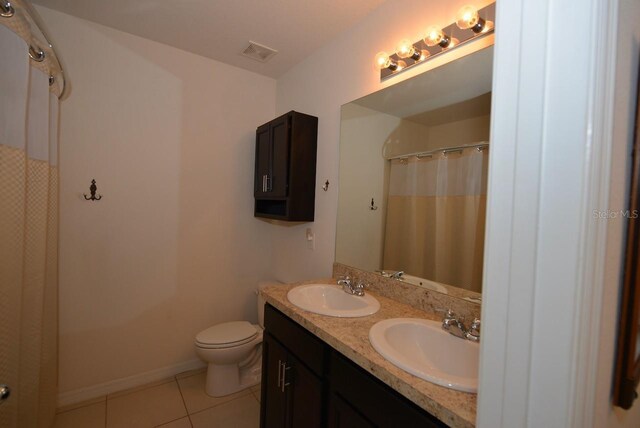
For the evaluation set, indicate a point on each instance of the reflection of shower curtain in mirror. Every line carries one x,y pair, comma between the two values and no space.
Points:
436,216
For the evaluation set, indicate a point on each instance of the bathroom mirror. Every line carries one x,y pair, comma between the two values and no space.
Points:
413,178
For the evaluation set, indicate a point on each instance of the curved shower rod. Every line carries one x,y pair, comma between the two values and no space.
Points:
8,10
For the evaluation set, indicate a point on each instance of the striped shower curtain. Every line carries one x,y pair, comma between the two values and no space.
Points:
28,231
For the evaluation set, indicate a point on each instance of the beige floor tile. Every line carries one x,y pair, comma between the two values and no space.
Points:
141,387
196,399
191,372
146,408
180,423
92,416
68,407
241,413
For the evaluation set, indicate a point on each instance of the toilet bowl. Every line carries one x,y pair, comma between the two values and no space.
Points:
233,353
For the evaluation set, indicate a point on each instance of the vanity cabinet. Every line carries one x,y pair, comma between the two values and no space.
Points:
293,365
285,168
306,383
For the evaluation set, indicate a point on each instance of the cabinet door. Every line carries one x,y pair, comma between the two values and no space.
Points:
278,179
304,395
263,161
342,415
273,406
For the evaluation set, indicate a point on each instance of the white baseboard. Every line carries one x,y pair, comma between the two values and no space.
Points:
95,391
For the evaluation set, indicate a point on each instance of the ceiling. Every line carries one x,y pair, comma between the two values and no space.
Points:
221,29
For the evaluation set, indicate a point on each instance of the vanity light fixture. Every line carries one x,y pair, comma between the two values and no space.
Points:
471,23
469,18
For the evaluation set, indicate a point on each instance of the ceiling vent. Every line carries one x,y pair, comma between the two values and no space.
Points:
258,52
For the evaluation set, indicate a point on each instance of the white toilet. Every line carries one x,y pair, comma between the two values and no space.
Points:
233,352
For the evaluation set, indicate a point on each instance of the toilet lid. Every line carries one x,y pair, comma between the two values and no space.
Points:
228,332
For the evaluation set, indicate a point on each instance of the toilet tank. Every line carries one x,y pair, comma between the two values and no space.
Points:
261,285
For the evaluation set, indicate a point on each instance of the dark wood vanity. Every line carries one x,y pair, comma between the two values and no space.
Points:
306,383
285,168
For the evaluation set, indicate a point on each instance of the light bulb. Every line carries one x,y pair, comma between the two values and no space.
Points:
424,54
435,36
467,17
383,61
405,49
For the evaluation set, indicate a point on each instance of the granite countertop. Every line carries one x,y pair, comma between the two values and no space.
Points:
350,336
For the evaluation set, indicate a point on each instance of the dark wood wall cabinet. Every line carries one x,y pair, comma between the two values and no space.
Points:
308,384
285,172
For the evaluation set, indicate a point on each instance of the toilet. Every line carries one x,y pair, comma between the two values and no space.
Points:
233,352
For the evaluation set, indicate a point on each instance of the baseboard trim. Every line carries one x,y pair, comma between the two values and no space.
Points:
95,391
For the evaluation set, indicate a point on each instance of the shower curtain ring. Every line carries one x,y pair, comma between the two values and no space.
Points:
36,55
6,10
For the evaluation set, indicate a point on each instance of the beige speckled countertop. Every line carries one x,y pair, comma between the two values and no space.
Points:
350,336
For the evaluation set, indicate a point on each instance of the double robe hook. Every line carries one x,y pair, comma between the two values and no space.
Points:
93,189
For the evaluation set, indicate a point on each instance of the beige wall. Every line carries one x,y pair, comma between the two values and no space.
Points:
173,247
625,99
338,73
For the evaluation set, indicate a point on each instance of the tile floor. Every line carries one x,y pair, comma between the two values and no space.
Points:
177,402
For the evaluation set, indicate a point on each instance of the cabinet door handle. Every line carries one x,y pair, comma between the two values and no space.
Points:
284,382
264,183
279,373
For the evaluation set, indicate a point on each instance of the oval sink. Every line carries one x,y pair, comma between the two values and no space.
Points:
423,349
328,299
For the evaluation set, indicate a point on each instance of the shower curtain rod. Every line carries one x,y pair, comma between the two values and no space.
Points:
479,146
7,10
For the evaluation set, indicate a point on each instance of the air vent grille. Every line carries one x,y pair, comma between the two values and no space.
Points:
259,52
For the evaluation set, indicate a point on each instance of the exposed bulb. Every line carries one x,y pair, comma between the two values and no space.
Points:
435,36
467,17
382,60
405,49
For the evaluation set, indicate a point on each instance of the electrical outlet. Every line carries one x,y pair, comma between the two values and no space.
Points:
311,239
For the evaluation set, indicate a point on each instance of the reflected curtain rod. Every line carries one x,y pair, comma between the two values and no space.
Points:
479,146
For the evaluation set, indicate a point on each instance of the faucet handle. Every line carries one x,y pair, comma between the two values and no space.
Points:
343,279
475,325
448,313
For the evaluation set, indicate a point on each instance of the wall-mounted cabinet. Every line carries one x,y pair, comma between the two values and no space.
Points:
285,171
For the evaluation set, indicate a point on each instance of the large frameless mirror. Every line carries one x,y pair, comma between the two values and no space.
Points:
413,178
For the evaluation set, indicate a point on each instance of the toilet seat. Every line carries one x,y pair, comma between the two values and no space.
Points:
227,335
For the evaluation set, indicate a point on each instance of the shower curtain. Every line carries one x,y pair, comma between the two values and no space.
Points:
28,226
435,217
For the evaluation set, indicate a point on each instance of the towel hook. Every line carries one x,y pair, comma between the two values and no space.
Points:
93,189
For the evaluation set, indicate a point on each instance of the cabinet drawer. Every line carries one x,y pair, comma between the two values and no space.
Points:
308,348
373,399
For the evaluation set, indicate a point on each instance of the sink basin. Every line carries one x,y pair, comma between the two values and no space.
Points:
423,349
328,299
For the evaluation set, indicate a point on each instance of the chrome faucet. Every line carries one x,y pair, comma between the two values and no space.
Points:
454,326
350,286
396,275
